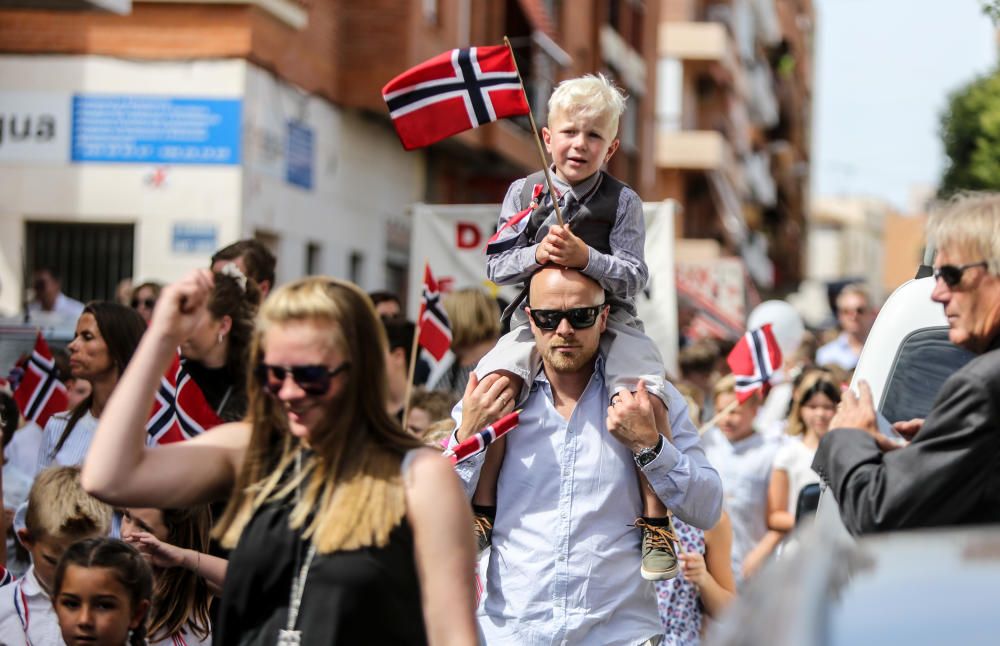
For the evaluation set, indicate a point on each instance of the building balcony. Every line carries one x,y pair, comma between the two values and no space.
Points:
694,150
699,45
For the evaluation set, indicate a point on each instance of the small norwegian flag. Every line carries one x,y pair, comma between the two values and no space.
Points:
180,410
754,360
477,443
433,324
452,92
507,236
40,393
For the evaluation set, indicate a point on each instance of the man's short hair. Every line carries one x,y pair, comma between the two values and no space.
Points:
968,222
589,96
858,289
384,296
59,508
50,270
257,258
399,333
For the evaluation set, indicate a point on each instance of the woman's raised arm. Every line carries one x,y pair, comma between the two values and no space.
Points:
120,469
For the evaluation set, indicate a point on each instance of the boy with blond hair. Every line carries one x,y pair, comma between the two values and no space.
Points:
59,513
603,237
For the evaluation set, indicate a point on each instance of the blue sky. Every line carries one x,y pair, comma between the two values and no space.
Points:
884,69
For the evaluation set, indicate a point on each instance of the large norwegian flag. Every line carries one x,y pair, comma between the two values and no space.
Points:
180,410
432,323
40,393
452,92
754,360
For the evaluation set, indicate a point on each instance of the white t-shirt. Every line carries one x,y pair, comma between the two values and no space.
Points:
795,459
38,621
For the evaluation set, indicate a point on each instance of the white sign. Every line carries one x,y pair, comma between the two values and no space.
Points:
35,127
453,239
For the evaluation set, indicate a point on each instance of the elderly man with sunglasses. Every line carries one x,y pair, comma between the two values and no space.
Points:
947,474
564,558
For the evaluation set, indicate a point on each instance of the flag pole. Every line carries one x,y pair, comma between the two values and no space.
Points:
413,356
730,407
534,131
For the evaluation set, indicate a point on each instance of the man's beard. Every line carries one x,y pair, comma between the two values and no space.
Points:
566,363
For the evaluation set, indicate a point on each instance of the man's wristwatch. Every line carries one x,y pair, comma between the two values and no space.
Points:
647,455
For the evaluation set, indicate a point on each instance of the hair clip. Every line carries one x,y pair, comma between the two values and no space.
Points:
230,269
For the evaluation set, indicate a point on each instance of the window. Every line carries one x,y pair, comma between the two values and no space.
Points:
90,258
926,358
357,267
313,259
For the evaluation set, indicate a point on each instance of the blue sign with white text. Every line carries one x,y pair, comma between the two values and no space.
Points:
145,129
299,155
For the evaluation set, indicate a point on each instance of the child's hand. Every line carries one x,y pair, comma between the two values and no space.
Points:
542,254
693,567
564,248
160,554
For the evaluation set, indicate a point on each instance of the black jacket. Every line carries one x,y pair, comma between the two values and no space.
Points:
948,475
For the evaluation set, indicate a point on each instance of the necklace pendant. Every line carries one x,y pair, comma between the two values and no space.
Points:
289,637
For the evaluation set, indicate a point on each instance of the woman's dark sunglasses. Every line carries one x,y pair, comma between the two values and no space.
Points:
148,303
952,275
579,317
313,380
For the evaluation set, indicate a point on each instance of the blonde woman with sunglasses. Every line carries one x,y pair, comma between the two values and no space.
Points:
343,528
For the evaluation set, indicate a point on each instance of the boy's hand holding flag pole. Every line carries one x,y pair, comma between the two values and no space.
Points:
457,91
754,361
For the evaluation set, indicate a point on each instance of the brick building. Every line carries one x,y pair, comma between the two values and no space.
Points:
184,125
733,129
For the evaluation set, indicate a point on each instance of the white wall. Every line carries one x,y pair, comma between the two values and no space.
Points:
120,193
362,177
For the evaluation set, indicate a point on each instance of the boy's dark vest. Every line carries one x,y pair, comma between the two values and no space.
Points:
591,219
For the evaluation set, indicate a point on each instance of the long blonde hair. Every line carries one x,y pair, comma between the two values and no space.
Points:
351,486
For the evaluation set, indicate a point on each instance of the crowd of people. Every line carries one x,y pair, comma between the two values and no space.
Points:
293,490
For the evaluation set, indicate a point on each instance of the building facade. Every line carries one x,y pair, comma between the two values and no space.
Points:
140,143
734,97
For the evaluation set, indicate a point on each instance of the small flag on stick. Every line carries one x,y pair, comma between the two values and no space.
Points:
40,393
754,360
452,92
477,443
507,236
434,328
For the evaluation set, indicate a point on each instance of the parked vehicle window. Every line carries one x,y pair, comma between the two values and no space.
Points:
926,358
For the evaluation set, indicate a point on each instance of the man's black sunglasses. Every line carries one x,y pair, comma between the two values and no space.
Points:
313,380
579,317
952,275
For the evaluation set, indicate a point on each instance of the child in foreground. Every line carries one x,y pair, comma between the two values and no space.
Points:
603,237
59,513
101,593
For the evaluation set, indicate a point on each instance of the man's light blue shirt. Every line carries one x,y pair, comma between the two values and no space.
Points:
837,352
564,567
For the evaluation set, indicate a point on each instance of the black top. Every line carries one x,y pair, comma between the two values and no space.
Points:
366,596
224,393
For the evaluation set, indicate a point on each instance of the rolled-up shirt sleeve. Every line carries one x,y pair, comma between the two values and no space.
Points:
681,474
